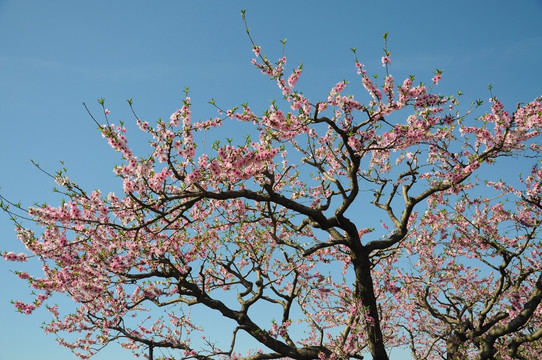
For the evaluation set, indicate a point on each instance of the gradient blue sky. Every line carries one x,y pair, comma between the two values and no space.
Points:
54,55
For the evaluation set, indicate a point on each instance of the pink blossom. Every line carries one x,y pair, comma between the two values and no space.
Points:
10,256
386,60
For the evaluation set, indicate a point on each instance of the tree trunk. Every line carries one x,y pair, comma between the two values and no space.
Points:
365,293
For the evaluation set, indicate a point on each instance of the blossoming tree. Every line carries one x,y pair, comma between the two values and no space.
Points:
276,234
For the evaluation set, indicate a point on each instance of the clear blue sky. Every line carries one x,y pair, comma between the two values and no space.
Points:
56,54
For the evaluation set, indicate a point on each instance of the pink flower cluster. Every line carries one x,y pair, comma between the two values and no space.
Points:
11,256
